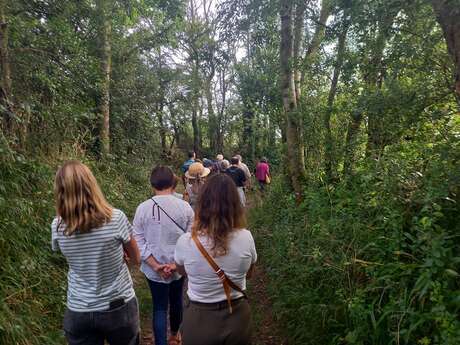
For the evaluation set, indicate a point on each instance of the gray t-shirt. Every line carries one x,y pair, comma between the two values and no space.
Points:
157,235
97,273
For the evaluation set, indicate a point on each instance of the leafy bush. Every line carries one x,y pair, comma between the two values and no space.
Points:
374,259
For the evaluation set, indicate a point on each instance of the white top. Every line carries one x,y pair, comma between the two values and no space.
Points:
203,283
97,272
156,234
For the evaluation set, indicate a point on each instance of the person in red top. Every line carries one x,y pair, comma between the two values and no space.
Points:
262,172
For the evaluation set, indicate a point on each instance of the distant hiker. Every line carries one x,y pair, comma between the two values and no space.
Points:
219,161
225,164
93,236
263,173
239,177
195,177
158,223
213,166
245,168
218,312
191,159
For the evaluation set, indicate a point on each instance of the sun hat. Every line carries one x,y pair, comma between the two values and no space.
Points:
197,170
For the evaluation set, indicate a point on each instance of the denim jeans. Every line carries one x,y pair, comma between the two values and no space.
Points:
164,294
119,326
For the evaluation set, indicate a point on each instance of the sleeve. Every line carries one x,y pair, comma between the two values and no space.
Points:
252,249
179,252
54,236
190,217
139,234
125,229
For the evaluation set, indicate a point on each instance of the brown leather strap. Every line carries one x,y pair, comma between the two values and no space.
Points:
226,281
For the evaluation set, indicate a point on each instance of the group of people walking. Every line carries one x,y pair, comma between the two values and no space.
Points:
200,235
196,171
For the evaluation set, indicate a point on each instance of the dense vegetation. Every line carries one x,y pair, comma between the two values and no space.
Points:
355,103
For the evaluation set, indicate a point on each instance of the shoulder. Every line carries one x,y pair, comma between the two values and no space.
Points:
184,240
54,224
243,235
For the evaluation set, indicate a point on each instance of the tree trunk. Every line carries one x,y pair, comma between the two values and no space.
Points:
448,15
318,36
5,94
105,55
330,162
350,143
298,34
195,106
295,152
212,121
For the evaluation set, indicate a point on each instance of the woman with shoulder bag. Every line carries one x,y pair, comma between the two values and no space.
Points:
217,257
94,237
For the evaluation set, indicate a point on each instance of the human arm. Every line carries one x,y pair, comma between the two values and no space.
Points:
132,251
250,272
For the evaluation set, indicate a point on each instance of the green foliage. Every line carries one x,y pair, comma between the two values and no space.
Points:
375,258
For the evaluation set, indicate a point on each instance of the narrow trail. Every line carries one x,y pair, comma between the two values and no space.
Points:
265,329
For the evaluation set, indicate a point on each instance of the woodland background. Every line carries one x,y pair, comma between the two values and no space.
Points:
355,103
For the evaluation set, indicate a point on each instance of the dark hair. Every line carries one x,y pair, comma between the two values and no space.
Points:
263,160
191,154
162,177
219,212
234,160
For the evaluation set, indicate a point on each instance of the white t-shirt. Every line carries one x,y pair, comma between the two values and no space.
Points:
203,283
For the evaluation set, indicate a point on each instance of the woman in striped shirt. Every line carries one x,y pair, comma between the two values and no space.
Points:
93,236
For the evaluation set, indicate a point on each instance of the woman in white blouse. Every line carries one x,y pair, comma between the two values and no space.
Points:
217,315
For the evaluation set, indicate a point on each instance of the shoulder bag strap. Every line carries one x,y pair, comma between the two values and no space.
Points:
226,281
161,208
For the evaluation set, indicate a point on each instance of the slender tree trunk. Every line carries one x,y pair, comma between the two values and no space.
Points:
448,15
350,143
164,146
5,94
294,143
105,56
195,109
330,162
318,36
298,36
212,121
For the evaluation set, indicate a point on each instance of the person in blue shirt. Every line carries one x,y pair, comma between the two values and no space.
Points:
190,161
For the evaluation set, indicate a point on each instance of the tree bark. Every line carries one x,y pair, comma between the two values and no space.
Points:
330,162
298,35
5,95
350,143
295,151
105,55
448,15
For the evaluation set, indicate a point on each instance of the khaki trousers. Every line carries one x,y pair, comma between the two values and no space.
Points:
212,323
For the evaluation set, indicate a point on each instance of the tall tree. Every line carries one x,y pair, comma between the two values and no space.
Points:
104,10
5,95
448,15
295,151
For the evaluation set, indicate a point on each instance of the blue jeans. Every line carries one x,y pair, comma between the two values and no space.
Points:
162,295
119,326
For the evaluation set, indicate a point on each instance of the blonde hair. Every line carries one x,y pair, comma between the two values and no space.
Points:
80,204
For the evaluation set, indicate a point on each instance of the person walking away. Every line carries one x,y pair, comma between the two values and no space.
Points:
191,159
93,236
195,177
158,223
219,161
263,173
246,170
217,315
239,177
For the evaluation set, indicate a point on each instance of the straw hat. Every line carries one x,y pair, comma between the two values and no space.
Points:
197,170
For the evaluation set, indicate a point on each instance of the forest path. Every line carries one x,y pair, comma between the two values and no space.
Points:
265,329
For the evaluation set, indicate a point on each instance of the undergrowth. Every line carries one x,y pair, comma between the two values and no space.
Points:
373,259
33,278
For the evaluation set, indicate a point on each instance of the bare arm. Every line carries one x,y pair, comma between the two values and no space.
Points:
180,269
250,272
132,251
